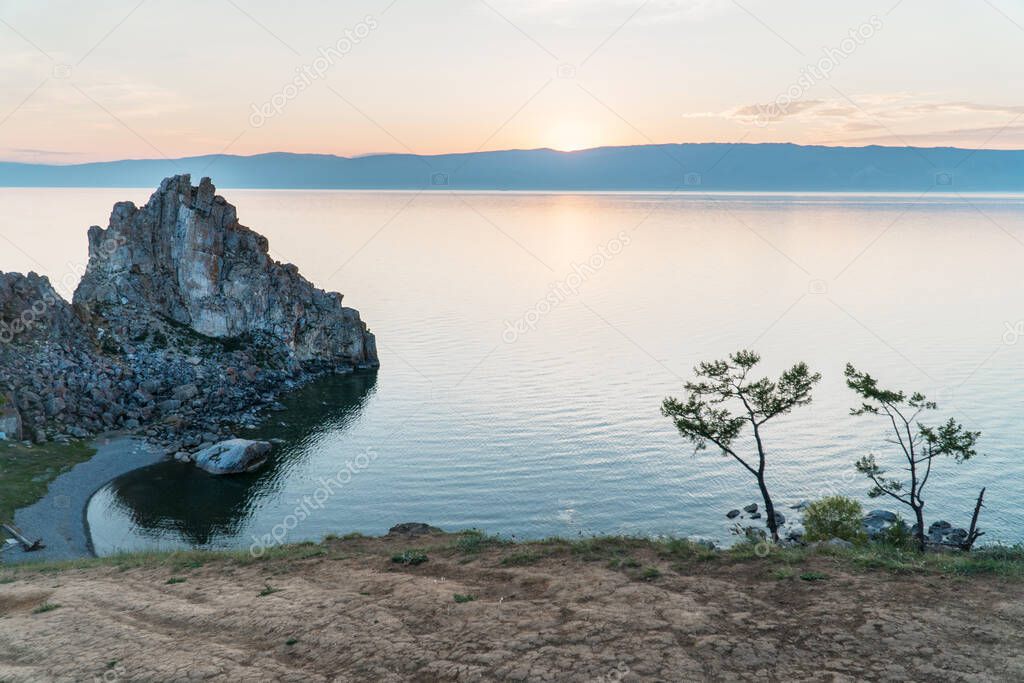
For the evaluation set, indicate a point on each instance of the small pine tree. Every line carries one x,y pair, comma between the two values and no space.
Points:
704,417
919,444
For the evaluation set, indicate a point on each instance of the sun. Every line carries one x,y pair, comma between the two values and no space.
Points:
570,136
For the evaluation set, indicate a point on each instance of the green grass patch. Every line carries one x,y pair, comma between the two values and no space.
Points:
45,607
460,598
783,573
522,559
268,590
474,541
597,548
651,574
410,557
291,641
26,471
813,576
176,579
617,552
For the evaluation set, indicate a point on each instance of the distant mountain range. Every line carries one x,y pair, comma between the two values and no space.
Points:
683,167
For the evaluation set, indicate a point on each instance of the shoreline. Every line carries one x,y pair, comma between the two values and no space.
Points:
59,517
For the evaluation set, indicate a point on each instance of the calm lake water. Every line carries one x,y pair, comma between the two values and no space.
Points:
552,425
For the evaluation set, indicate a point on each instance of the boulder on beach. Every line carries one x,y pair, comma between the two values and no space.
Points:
234,456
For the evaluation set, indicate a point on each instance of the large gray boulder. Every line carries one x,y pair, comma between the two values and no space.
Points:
877,522
235,456
185,257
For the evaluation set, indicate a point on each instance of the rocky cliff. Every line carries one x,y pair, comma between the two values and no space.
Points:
184,256
182,328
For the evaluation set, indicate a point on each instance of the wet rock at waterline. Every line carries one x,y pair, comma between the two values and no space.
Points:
235,456
413,529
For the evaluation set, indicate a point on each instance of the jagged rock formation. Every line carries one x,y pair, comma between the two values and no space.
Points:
185,256
182,328
31,310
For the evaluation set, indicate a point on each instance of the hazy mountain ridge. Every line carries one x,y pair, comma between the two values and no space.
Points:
684,167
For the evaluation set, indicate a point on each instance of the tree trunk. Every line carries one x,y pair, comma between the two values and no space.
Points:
919,514
769,509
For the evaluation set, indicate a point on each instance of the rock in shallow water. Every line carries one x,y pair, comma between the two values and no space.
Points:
234,456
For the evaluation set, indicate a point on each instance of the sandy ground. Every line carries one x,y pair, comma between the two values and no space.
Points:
58,518
350,614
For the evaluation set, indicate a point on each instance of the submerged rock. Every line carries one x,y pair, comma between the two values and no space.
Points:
234,456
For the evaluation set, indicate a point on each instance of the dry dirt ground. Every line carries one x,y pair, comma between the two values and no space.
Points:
345,611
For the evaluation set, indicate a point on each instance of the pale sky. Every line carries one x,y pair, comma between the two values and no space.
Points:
89,81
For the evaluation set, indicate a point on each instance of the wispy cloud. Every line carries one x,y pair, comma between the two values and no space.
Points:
572,11
887,117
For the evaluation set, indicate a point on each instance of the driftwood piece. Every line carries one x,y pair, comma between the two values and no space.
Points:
27,545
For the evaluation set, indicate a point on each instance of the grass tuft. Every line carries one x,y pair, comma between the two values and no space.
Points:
474,541
410,557
651,574
45,607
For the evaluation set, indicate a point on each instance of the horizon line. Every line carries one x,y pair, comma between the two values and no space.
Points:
506,151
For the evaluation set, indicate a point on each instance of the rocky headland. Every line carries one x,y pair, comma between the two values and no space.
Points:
182,329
